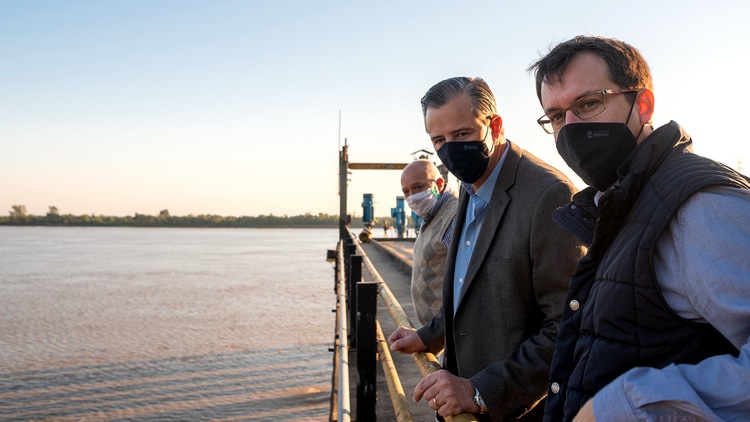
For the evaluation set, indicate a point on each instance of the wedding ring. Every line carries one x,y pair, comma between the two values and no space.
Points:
434,400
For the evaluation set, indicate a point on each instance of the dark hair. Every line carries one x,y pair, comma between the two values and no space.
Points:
482,100
627,68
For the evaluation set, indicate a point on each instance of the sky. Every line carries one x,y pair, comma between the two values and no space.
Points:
240,107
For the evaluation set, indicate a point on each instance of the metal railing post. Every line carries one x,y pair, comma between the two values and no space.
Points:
342,348
347,253
425,361
355,276
367,350
333,414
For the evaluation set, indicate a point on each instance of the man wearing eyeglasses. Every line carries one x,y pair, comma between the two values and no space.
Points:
507,268
657,319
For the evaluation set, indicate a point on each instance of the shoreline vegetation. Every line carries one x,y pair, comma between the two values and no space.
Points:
19,217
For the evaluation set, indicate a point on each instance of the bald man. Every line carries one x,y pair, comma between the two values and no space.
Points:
430,197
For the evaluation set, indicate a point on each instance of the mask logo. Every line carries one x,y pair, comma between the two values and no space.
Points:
597,134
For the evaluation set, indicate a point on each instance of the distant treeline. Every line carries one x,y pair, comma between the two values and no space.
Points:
19,217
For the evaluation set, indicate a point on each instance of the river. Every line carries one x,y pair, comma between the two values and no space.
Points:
165,324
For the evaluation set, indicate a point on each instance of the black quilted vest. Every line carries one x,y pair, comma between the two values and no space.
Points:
615,316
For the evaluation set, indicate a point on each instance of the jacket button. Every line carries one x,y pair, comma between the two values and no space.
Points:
573,206
555,388
574,305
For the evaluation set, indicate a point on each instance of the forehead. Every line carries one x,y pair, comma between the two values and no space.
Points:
454,114
585,72
414,173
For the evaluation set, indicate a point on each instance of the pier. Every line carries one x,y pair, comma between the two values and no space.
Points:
373,297
391,258
394,381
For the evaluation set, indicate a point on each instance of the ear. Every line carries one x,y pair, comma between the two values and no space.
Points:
496,124
440,182
645,101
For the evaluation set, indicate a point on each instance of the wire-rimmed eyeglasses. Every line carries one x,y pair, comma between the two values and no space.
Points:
586,107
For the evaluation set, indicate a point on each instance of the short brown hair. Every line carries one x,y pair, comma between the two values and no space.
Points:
627,68
482,100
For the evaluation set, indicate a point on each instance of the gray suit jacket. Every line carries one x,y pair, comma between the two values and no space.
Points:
503,332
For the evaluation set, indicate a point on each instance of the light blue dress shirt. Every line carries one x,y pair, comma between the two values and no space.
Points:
702,264
478,202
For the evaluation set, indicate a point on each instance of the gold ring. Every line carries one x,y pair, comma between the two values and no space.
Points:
434,400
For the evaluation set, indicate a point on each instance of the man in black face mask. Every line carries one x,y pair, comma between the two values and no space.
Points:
507,268
658,316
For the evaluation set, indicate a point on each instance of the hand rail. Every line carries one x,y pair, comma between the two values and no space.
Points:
425,361
396,390
344,408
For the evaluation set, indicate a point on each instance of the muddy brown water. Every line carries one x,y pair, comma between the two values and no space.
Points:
165,324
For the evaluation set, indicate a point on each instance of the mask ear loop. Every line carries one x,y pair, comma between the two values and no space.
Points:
643,125
631,110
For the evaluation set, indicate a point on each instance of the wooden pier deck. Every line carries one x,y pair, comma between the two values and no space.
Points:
393,260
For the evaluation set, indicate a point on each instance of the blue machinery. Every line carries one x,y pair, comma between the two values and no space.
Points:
398,214
368,215
368,211
345,166
399,217
417,222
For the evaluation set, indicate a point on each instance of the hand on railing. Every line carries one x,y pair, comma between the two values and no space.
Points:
406,340
426,361
446,393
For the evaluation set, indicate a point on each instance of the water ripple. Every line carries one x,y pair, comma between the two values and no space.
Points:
274,384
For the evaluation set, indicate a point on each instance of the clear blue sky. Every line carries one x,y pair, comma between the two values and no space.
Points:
232,107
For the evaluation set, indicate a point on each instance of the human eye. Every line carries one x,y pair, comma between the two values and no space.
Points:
462,134
556,117
588,104
438,141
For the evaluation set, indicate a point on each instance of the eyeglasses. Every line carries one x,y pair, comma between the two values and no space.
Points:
586,107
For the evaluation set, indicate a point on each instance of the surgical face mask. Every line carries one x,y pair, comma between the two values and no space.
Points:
466,160
594,151
423,202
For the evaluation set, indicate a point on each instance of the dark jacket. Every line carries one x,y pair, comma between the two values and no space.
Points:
619,319
503,332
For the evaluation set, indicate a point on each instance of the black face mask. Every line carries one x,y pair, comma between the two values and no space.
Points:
594,151
466,160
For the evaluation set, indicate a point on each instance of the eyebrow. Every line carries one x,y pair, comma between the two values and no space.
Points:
461,129
586,94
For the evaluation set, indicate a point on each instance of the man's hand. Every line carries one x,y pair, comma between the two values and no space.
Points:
586,414
406,340
446,393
